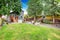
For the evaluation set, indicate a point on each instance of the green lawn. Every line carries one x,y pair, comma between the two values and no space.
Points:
28,32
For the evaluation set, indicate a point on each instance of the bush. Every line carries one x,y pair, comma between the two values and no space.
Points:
47,21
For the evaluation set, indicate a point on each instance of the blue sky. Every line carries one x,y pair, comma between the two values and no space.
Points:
24,4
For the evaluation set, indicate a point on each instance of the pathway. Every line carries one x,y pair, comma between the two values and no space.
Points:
46,25
51,25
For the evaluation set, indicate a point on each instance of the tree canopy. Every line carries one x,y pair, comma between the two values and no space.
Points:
50,7
7,5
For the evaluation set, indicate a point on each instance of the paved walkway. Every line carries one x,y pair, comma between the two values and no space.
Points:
51,25
47,25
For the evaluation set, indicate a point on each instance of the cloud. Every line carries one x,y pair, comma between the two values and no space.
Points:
24,6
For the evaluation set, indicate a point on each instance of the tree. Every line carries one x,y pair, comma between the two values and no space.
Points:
54,9
47,7
34,8
7,5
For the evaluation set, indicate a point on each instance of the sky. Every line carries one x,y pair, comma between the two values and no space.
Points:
24,4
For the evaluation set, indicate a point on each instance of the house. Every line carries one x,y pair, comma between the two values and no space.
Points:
14,16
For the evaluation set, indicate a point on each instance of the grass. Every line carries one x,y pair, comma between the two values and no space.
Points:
28,32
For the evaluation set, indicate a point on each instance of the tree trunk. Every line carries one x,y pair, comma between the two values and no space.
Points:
53,19
34,20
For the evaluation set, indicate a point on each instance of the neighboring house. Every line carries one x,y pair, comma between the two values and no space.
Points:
14,16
